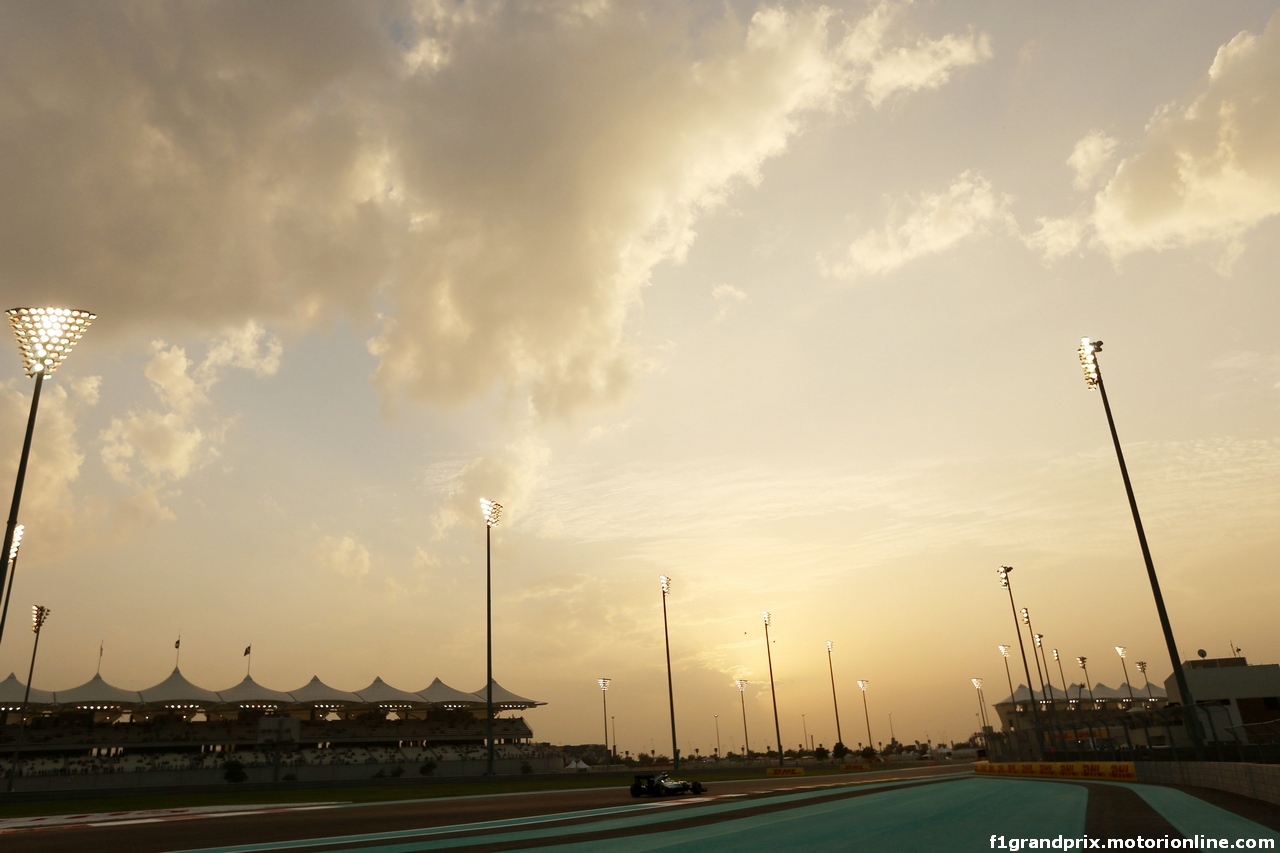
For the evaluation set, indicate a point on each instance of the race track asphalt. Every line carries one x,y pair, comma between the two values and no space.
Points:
921,809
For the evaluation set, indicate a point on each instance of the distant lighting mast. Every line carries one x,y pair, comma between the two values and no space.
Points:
777,727
665,582
742,696
604,695
1088,351
491,511
834,702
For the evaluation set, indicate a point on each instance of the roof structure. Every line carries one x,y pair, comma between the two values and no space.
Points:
385,696
439,693
504,698
176,692
316,692
12,692
98,694
1076,691
251,694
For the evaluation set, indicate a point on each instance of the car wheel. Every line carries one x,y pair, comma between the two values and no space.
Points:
697,788
637,790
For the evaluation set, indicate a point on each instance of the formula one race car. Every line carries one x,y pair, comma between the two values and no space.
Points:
662,785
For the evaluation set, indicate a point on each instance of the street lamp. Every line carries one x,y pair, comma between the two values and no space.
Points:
1004,571
777,727
1093,378
1084,664
13,570
491,511
38,615
671,694
717,716
604,696
834,703
862,685
742,697
45,338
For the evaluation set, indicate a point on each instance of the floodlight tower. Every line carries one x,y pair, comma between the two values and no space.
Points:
742,697
862,685
491,511
604,696
834,703
39,613
665,582
777,727
1142,668
1058,659
1026,620
1084,664
1088,351
1004,652
1004,571
982,704
1120,650
45,338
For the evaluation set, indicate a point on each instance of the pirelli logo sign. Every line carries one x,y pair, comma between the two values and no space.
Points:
785,771
1122,771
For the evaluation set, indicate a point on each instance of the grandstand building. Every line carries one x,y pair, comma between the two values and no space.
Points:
177,732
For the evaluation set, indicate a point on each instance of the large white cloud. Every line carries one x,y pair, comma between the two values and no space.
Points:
498,179
1206,171
153,449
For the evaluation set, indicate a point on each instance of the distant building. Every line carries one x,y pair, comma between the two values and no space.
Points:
1242,700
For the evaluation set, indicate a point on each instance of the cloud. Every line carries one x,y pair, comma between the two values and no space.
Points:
1091,155
345,556
497,179
1207,172
49,507
152,449
508,476
930,224
725,295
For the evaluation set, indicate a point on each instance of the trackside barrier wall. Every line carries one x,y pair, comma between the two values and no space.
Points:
1258,781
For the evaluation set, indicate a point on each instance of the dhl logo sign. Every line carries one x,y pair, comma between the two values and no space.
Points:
785,771
854,768
1124,771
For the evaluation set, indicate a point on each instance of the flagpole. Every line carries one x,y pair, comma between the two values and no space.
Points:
177,654
100,644
248,652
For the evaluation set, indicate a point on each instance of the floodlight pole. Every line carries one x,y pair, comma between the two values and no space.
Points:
492,511
742,697
12,524
1004,571
834,703
604,696
777,728
38,615
671,693
1093,378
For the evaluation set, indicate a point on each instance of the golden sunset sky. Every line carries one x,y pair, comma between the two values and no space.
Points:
779,300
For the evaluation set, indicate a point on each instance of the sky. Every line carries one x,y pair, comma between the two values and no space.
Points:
781,301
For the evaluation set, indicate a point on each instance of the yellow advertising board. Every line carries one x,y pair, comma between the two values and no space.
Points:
1119,771
785,771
